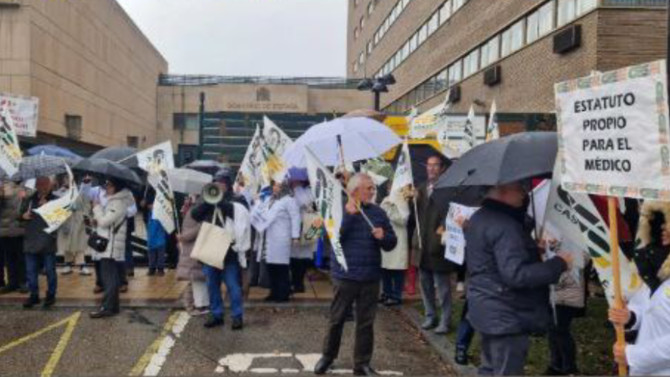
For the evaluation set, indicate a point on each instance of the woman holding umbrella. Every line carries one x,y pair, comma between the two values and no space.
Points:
110,221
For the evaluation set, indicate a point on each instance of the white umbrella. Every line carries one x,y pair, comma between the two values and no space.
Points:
361,139
188,181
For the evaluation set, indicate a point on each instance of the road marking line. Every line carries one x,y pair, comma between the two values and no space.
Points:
36,334
61,346
156,354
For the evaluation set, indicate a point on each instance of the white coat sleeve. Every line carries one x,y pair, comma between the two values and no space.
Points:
242,229
131,211
648,358
296,218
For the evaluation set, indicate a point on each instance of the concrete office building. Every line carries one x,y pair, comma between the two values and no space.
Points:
510,51
93,70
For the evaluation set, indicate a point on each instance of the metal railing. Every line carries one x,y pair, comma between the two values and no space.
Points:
634,3
202,80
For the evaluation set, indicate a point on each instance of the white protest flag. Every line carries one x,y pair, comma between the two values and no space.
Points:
492,130
275,143
251,164
403,171
10,152
24,112
469,129
573,220
56,212
328,197
614,138
156,161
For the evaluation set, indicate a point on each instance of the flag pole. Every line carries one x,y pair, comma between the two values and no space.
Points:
616,273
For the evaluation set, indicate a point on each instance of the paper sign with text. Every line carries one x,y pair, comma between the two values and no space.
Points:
613,133
24,112
454,237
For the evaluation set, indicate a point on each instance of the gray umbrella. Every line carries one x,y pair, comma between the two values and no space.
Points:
40,166
115,154
108,169
506,160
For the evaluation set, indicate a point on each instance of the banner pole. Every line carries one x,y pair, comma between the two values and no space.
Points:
612,204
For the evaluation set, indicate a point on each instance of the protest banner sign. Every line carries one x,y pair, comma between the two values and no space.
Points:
403,172
10,152
275,143
24,112
327,191
156,161
454,238
613,133
251,164
469,130
492,130
56,212
614,141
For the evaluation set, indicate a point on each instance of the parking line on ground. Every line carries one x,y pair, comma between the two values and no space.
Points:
156,354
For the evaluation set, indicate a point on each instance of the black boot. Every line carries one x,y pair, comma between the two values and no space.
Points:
31,301
323,365
49,301
102,313
237,324
461,357
213,322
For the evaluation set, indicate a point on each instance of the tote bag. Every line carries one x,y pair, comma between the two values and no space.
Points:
213,242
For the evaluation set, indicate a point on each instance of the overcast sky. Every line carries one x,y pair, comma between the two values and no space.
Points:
246,37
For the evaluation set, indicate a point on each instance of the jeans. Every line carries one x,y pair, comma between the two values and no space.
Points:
465,331
33,269
365,295
429,280
504,355
157,258
561,344
393,283
231,277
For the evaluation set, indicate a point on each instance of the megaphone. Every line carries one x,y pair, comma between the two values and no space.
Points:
212,193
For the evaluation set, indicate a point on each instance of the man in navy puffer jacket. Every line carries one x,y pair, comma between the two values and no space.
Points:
360,283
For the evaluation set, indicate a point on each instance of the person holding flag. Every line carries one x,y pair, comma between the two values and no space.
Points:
359,282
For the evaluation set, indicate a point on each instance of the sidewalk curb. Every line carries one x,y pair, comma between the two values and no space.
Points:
440,343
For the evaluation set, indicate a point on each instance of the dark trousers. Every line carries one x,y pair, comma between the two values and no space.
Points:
121,270
465,331
365,296
298,270
130,263
504,355
111,282
561,344
11,249
33,269
393,283
280,283
157,258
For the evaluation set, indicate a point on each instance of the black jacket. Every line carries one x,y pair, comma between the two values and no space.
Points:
429,252
36,240
361,250
508,286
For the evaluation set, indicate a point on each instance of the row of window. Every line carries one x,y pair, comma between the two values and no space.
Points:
437,19
545,19
381,31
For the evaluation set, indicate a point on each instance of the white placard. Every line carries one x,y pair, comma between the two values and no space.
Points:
614,138
454,237
24,111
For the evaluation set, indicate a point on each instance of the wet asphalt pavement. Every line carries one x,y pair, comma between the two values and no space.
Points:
275,341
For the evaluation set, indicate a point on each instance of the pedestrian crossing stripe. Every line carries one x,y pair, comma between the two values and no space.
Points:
70,323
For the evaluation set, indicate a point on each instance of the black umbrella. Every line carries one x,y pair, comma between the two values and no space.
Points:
108,169
118,154
206,166
506,160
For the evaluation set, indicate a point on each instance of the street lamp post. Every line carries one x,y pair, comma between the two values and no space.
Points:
377,86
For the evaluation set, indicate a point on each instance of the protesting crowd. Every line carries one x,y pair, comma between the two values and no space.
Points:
503,225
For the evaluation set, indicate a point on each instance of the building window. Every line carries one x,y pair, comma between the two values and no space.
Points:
371,7
491,51
362,22
369,47
133,141
567,11
356,32
533,27
433,23
185,122
442,82
584,6
512,38
423,34
546,18
73,126
413,42
471,63
458,4
455,73
405,49
445,12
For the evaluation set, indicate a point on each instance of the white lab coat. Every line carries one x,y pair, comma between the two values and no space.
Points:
398,212
650,355
283,219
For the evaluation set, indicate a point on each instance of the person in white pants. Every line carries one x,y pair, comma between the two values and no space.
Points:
196,296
